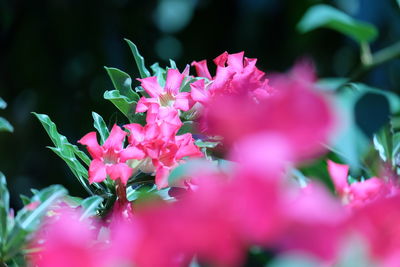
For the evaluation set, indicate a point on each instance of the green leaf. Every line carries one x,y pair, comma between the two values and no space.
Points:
172,64
46,197
100,126
67,152
190,167
126,106
160,73
187,127
3,103
326,16
90,206
4,194
350,143
206,144
383,144
5,126
15,241
25,200
122,82
139,60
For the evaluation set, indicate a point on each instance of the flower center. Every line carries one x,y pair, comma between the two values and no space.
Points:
110,157
167,100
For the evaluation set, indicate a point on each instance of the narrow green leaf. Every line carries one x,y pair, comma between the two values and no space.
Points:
90,206
123,83
25,200
3,103
5,126
15,241
100,126
46,197
383,144
4,194
172,64
160,73
126,106
67,151
206,144
326,16
139,60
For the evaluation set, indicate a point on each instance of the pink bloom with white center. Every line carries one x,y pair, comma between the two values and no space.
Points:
109,158
169,96
359,193
162,148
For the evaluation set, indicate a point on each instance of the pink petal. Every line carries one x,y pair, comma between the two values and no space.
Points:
174,81
142,105
236,61
131,152
198,91
136,133
90,140
151,86
161,180
97,171
202,69
182,102
339,173
120,170
116,138
221,59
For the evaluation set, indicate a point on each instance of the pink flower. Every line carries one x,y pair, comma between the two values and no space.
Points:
295,113
163,150
169,96
315,223
358,193
235,74
66,240
109,159
378,223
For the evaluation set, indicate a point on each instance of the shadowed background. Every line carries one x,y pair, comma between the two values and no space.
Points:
52,56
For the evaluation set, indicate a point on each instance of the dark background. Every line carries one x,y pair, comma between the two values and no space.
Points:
52,54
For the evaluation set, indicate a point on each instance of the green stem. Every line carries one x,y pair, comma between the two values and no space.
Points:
369,61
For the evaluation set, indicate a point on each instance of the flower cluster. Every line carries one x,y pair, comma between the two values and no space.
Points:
267,128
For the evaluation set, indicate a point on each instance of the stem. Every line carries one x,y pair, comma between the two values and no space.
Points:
369,61
121,192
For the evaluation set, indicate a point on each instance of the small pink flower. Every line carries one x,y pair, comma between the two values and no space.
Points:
169,96
359,193
109,159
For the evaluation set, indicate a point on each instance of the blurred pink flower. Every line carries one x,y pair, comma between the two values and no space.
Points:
378,223
296,114
109,159
359,193
316,223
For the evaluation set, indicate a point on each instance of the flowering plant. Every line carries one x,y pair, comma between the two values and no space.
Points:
220,170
